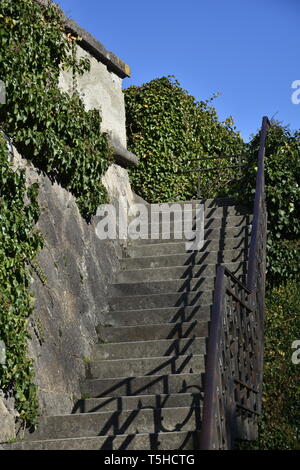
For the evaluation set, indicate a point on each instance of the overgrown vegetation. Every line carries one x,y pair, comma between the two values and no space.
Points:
19,244
49,127
282,179
279,426
167,128
52,129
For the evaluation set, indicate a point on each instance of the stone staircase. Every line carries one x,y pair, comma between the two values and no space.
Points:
144,386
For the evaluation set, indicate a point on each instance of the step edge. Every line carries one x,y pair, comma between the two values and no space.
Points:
160,308
101,413
161,293
98,437
149,341
149,325
117,284
141,396
87,381
177,254
134,359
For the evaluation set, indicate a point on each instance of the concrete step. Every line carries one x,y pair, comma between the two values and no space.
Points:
185,259
155,315
177,236
177,272
149,385
92,405
161,441
169,299
209,222
217,201
227,221
186,225
150,332
117,423
147,349
160,287
209,203
212,226
146,366
174,247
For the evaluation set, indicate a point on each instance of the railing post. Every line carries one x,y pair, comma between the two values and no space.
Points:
259,195
208,419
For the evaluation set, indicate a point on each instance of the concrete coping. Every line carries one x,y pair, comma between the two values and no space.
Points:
92,45
114,64
123,156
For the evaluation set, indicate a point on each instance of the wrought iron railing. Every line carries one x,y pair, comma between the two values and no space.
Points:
234,369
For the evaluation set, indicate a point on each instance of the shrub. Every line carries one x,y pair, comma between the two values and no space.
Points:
167,129
279,425
282,179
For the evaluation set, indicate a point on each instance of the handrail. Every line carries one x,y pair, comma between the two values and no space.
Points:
233,379
259,200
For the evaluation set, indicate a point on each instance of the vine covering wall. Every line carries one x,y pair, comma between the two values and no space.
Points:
282,179
167,128
19,244
51,129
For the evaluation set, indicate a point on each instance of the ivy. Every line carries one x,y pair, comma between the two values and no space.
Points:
167,128
49,127
19,244
282,180
53,130
279,425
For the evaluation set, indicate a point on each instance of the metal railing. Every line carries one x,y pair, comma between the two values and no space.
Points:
234,369
240,164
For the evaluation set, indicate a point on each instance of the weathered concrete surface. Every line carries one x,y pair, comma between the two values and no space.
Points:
7,420
117,183
100,89
120,193
70,288
95,47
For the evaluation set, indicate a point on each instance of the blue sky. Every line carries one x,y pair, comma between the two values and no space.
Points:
248,50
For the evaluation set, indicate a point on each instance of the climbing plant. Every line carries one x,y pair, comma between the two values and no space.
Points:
282,179
50,127
167,128
279,425
19,244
